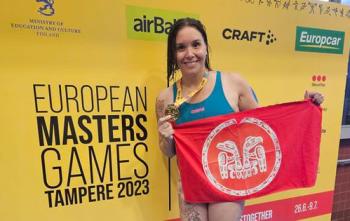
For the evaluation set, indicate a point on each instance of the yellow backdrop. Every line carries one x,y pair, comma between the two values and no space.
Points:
79,82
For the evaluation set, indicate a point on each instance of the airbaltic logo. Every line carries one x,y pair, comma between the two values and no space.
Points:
151,24
252,36
319,40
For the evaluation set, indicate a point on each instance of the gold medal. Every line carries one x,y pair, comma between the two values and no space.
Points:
173,111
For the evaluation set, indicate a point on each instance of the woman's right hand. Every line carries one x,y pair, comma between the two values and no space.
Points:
166,139
165,128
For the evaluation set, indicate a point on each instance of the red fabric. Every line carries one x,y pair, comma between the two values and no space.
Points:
249,154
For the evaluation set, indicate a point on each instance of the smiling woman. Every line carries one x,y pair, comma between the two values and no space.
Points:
200,93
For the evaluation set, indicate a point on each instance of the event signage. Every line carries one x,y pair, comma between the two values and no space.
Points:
79,84
151,24
319,40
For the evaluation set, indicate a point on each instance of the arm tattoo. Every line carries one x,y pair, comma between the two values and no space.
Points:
160,108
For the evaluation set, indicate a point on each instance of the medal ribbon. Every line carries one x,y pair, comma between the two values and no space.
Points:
179,99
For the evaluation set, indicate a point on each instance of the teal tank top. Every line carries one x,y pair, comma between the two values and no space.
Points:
214,105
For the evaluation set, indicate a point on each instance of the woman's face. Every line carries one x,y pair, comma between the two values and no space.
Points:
191,51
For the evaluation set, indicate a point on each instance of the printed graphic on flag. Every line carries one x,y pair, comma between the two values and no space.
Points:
247,152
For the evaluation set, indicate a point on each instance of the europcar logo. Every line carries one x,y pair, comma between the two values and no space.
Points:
319,40
151,24
267,37
46,7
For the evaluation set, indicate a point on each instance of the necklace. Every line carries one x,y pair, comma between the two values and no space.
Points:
173,109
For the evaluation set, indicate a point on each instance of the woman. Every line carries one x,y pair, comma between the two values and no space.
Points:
208,93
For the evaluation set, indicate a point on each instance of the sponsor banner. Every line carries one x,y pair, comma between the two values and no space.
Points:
305,7
265,37
79,82
319,40
151,24
319,80
295,208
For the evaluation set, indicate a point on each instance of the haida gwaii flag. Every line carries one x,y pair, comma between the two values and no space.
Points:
249,154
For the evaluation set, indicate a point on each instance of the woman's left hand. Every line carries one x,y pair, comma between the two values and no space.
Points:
316,97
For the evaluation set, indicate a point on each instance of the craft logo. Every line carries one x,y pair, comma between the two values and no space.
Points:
318,80
46,8
252,157
319,40
151,24
251,36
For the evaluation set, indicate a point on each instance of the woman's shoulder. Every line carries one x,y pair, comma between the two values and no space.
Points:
164,98
232,77
166,95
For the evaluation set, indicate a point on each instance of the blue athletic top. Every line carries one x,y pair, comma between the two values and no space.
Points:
214,105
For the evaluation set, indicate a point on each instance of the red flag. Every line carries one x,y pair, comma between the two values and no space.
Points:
249,154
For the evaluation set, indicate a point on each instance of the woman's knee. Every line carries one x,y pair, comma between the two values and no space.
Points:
225,211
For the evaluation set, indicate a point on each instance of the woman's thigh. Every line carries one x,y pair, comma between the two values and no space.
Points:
226,211
192,211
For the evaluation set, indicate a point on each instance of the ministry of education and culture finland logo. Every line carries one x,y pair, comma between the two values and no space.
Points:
241,164
319,40
46,8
